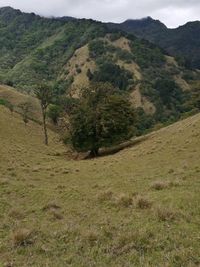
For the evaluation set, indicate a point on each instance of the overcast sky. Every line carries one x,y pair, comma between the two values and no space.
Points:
172,12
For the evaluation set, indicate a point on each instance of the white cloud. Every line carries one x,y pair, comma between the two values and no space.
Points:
171,12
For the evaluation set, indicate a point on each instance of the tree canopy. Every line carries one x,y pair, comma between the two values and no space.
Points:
104,117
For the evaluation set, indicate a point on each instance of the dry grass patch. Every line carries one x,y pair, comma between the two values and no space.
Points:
143,202
91,237
16,214
166,214
105,196
124,200
159,185
126,242
22,237
174,183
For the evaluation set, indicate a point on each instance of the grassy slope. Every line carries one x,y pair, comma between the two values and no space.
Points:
93,224
16,98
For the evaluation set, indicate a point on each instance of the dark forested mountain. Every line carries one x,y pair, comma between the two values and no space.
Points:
182,42
69,53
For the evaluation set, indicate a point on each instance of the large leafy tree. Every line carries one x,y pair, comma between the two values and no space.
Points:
104,117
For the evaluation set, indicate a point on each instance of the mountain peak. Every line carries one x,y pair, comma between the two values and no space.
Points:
9,10
148,18
144,23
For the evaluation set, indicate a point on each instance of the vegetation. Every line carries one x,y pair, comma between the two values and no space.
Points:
41,47
101,212
102,118
112,73
54,112
45,95
139,207
25,111
7,104
36,49
147,55
182,42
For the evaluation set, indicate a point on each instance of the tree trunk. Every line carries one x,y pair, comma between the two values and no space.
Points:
45,127
94,152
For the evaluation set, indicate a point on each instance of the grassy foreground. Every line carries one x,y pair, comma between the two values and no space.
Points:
139,207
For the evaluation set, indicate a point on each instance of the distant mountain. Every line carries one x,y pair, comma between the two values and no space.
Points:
183,42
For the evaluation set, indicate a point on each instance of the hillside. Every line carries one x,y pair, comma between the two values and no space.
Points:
139,207
182,42
35,48
69,53
16,99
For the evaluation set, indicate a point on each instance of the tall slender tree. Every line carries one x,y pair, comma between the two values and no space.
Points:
45,94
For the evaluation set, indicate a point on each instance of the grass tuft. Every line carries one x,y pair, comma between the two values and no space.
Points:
166,214
124,200
143,202
159,185
21,237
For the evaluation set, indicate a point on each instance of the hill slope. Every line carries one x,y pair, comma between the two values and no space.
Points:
183,41
16,98
102,212
69,53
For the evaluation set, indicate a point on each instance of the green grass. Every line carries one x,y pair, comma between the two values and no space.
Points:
93,212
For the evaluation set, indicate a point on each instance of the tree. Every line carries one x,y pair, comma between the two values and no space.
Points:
25,111
104,117
54,113
45,94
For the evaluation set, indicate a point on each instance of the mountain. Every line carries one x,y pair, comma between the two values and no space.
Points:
146,27
70,53
183,41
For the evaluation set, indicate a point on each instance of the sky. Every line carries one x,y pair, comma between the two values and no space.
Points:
171,12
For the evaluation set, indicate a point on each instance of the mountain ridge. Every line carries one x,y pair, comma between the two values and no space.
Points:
182,42
143,19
